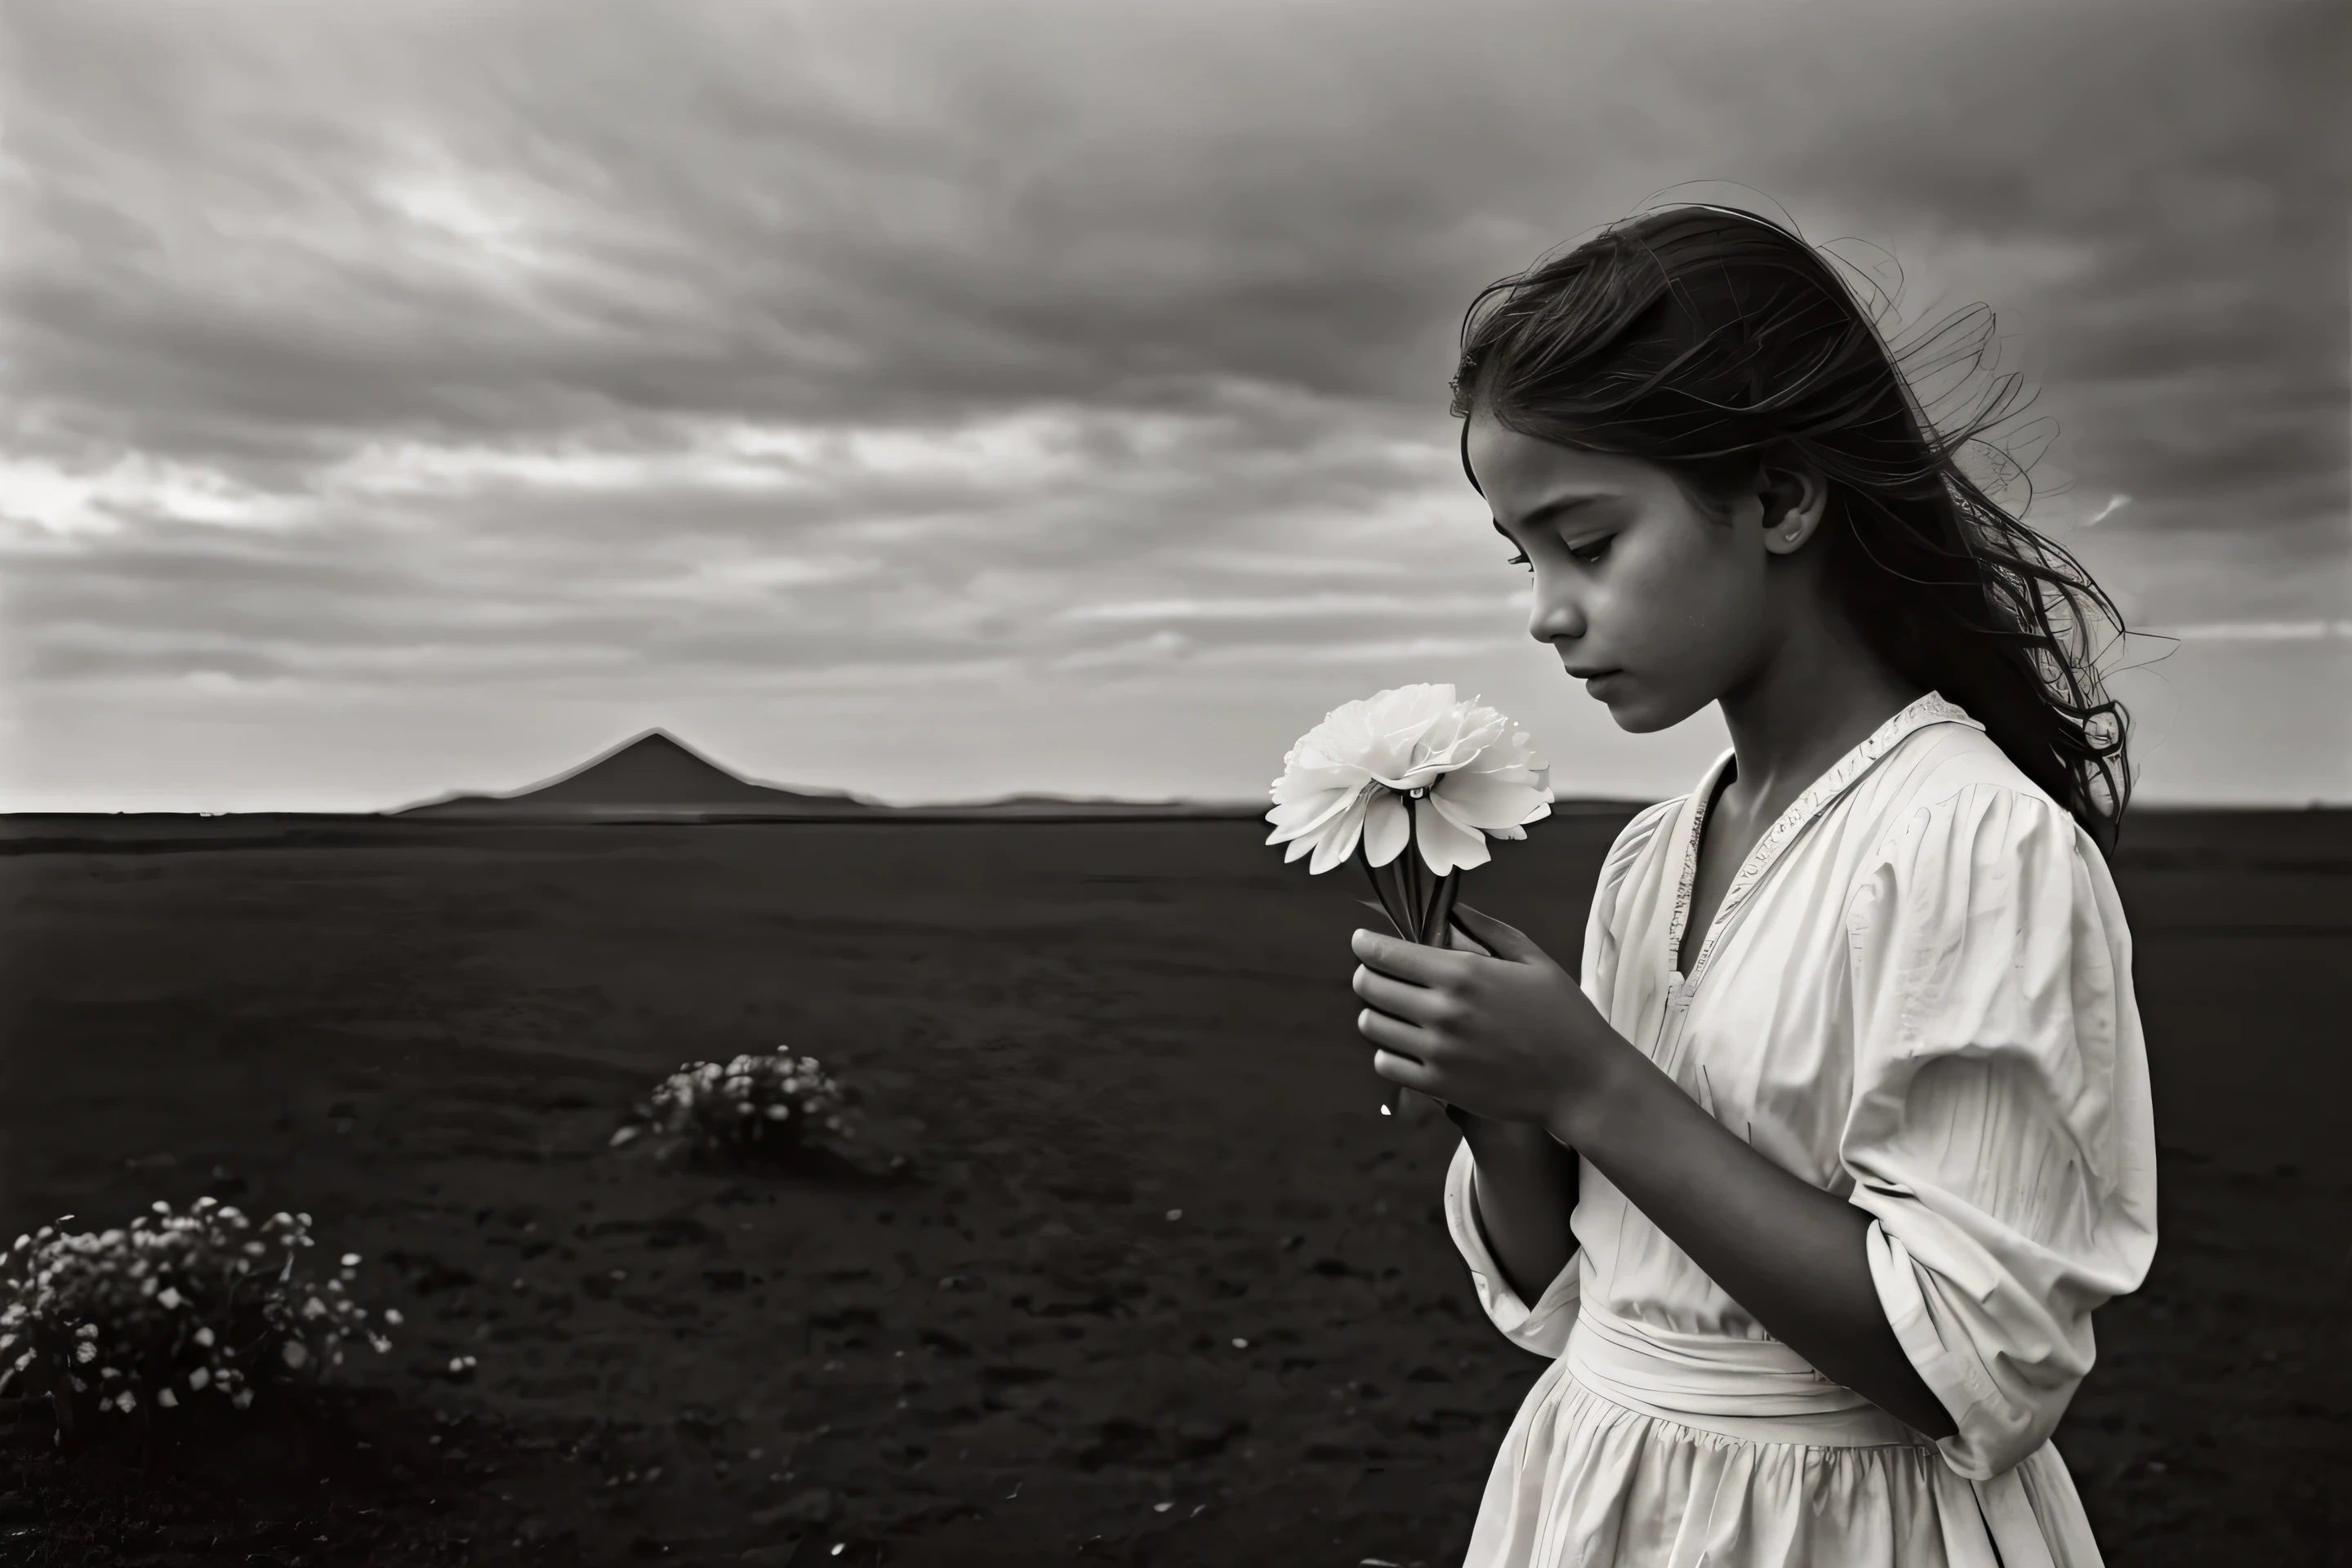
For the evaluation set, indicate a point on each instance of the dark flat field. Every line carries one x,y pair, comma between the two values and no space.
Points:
1009,1352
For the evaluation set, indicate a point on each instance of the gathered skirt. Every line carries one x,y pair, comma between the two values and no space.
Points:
1585,1481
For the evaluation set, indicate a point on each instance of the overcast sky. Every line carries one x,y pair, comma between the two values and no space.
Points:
937,400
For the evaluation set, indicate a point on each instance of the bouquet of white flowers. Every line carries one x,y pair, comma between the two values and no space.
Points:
1409,769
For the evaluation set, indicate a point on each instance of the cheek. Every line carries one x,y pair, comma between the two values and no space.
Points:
1677,596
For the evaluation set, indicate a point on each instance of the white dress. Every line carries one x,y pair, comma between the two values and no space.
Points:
1916,994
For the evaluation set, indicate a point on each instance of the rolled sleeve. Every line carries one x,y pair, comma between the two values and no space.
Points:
1540,1327
2000,1135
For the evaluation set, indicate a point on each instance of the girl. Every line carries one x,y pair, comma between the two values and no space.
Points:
1809,1188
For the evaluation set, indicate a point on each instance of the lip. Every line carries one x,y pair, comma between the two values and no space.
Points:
1597,683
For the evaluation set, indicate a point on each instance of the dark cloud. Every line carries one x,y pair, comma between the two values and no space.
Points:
383,344
914,211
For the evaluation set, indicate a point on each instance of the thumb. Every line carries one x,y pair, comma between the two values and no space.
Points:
1504,941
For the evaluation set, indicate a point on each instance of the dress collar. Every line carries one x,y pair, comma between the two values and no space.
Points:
1932,708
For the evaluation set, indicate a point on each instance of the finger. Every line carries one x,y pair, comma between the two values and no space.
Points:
1508,942
1405,1070
1394,1033
1458,938
1405,960
1398,998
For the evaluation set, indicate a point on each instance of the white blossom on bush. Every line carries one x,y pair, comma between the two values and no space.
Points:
753,1105
208,1302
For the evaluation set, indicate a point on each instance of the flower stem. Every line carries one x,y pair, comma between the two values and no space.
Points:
1414,871
1441,912
1381,891
1391,892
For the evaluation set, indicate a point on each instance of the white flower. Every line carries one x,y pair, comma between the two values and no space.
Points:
295,1352
1347,779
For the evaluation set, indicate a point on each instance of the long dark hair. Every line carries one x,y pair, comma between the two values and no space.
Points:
1707,339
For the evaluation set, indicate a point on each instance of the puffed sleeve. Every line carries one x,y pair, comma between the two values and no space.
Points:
1540,1326
2000,1136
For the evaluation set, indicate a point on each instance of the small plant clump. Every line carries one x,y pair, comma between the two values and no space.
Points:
171,1309
757,1106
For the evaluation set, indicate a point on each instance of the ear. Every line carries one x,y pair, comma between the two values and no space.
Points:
1793,496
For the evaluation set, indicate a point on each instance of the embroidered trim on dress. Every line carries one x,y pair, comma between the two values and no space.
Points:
1700,798
1932,708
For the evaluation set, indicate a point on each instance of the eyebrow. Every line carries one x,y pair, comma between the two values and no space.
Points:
1553,510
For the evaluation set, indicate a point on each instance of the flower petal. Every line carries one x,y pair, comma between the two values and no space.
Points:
1482,800
1338,840
1388,828
1306,816
1446,846
1305,777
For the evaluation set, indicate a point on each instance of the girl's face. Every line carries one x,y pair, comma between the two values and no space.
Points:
1656,606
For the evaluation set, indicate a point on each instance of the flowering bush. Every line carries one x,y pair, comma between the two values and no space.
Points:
755,1106
172,1308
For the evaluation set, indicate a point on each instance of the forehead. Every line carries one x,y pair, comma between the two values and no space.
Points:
1519,472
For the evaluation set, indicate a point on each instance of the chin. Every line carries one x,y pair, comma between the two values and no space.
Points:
1637,720
1646,715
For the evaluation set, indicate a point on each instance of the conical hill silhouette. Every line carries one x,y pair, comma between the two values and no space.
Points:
650,774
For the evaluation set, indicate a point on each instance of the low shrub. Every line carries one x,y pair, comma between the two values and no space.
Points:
171,1309
755,1107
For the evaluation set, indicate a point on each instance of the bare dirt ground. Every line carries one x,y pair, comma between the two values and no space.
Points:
1158,1284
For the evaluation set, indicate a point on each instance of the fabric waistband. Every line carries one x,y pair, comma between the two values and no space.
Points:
1759,1390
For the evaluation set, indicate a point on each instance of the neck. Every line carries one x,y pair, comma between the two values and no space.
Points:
1818,692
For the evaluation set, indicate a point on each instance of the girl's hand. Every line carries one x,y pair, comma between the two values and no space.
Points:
1510,1037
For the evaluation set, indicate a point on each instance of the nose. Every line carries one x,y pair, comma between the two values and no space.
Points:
1555,617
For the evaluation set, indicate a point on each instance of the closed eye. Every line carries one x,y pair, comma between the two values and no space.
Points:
1591,552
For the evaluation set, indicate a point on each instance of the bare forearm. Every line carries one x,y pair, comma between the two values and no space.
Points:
1788,1252
1525,1191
